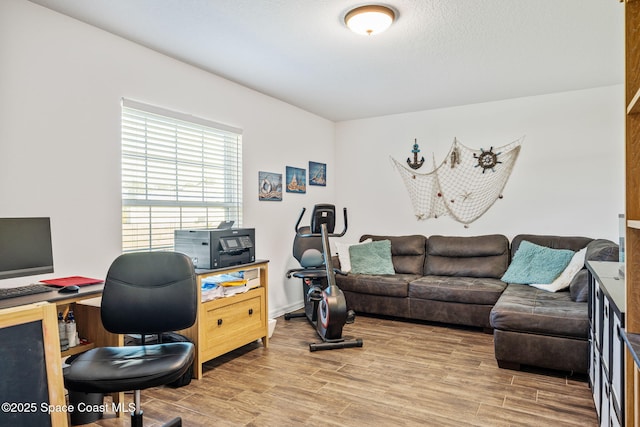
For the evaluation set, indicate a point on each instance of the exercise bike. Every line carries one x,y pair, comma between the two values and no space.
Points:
325,306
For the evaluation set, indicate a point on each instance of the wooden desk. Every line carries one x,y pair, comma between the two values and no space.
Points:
86,308
224,324
87,291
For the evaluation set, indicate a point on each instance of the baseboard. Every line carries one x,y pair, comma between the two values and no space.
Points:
281,311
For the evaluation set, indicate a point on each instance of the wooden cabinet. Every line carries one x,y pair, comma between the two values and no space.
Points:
606,360
224,324
632,202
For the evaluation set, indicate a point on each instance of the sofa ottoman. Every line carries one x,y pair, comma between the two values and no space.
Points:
540,328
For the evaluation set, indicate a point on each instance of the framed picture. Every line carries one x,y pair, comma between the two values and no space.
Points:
317,173
270,186
296,180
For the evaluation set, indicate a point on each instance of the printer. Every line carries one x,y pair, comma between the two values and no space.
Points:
217,248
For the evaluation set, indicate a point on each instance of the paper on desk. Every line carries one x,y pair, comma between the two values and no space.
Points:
228,279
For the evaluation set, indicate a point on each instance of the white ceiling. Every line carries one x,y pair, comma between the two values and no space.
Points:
438,53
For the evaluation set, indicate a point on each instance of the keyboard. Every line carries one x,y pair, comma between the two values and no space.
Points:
20,291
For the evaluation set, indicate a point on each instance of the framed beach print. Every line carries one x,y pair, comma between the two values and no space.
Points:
317,173
269,186
296,180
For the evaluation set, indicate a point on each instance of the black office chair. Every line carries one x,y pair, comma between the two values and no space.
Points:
144,293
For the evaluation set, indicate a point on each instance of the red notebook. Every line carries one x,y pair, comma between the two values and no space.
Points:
72,280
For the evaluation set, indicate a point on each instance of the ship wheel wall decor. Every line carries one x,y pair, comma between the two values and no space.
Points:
487,159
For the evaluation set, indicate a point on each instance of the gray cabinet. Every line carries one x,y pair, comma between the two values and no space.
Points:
606,344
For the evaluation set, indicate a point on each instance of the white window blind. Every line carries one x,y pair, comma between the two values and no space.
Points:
178,172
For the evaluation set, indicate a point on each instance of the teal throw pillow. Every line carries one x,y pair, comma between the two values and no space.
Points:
372,258
536,264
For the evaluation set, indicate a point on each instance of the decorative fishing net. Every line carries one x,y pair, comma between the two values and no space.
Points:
465,185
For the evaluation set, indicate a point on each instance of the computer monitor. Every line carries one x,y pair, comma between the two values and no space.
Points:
25,247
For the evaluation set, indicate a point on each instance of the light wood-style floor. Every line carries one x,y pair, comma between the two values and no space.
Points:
407,374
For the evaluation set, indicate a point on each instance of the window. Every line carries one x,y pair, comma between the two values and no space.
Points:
178,172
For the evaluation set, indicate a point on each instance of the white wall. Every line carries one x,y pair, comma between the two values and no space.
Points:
61,83
568,179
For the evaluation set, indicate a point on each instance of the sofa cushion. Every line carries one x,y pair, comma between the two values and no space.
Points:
522,308
407,252
371,258
564,279
537,264
573,243
467,290
393,285
343,254
477,256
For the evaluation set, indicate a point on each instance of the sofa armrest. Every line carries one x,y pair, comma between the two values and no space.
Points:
335,262
602,250
597,250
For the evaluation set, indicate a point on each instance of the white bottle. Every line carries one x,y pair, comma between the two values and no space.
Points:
70,329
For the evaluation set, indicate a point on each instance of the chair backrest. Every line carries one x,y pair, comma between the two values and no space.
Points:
323,214
149,293
308,250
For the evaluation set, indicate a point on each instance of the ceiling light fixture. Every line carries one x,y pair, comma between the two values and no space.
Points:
369,20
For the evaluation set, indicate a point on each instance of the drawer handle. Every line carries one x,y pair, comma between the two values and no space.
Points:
250,311
219,322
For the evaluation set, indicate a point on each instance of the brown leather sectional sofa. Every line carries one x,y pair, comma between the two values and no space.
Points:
456,280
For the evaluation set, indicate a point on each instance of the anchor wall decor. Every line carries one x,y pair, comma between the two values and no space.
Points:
415,164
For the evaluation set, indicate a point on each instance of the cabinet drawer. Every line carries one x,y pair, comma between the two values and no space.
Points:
597,387
617,365
233,319
594,354
606,334
615,421
233,325
605,396
598,318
